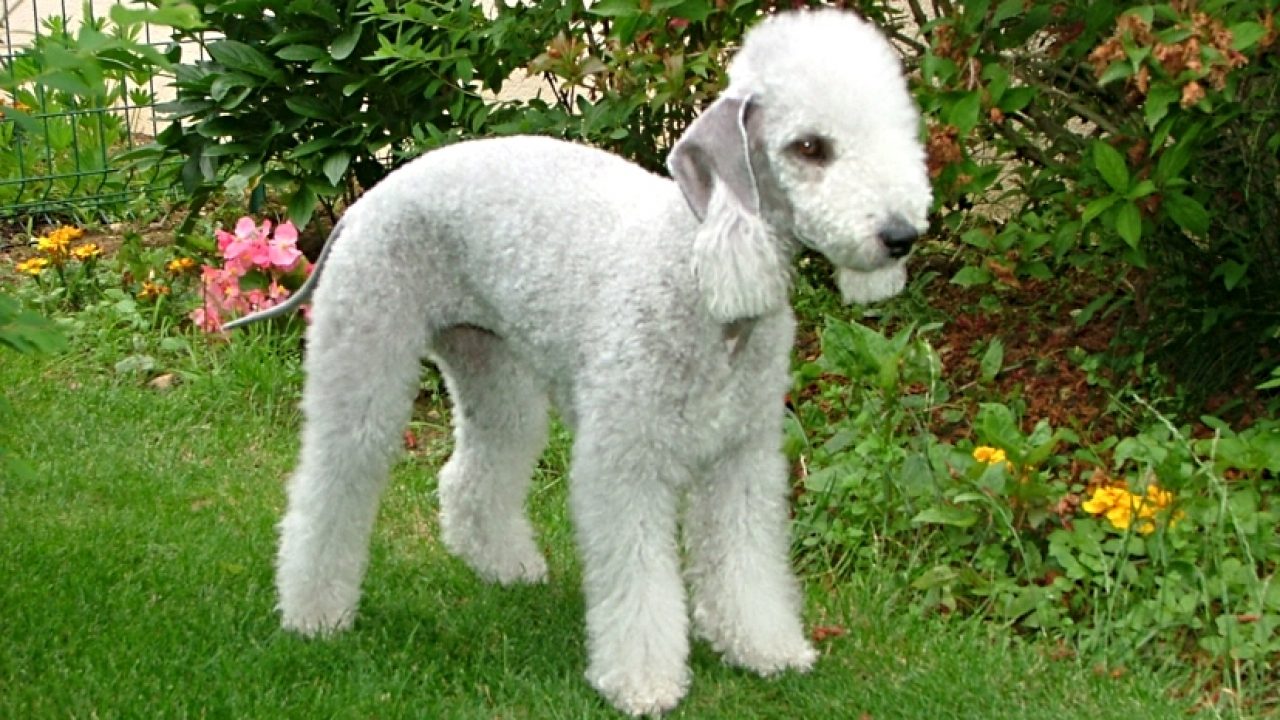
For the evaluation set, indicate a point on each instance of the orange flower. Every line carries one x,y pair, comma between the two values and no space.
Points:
1122,508
32,267
57,244
181,266
151,290
988,455
86,252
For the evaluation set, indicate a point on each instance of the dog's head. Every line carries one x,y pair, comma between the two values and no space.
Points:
816,140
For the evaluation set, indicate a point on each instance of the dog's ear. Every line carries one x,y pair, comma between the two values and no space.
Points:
716,150
741,271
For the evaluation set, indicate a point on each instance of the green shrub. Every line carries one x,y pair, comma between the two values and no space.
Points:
1076,134
625,75
63,123
313,100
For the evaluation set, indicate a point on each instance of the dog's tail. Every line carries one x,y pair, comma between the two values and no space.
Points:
300,296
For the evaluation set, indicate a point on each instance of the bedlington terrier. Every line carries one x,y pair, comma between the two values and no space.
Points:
653,315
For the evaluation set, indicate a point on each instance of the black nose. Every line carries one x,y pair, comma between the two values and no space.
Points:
898,236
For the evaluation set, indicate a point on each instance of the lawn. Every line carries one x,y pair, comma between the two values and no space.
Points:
137,555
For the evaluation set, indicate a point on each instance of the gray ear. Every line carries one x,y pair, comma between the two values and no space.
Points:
716,148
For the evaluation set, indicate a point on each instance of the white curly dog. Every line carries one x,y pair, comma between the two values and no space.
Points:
654,315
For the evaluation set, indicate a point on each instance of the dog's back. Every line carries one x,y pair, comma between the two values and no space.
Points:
536,240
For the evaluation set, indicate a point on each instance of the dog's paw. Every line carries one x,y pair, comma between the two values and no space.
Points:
767,648
530,569
315,622
648,693
770,660
511,564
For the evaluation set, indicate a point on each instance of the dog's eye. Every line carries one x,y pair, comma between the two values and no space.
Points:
813,149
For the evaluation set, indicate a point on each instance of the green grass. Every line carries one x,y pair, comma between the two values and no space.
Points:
136,565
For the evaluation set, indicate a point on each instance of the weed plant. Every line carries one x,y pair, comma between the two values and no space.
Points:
1159,546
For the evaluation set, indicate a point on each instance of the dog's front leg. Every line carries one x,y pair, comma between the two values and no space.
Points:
746,602
624,506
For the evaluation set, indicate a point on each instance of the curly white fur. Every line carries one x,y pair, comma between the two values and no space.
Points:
651,314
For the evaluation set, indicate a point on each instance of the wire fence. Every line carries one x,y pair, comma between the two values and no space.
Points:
65,160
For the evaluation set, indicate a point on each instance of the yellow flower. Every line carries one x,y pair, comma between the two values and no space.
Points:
181,265
88,251
66,234
1160,498
32,267
1104,498
1120,506
54,247
988,455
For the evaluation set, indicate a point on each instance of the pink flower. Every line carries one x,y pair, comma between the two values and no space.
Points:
283,251
248,246
249,250
256,299
207,319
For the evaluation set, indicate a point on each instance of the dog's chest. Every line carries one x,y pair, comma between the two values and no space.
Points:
741,388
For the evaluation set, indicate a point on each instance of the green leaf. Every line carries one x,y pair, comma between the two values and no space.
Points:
855,350
1037,269
301,206
1116,71
1246,34
946,515
970,276
992,361
996,426
1232,273
695,10
1129,224
937,69
345,43
977,237
300,53
1015,99
1187,212
311,146
239,56
308,106
22,120
615,8
1157,104
1174,160
1007,9
964,113
1086,314
1111,166
335,166
1140,190
181,15
226,82
1146,13
27,332
934,577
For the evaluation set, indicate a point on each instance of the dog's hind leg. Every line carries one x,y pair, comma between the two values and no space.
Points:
363,366
500,428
